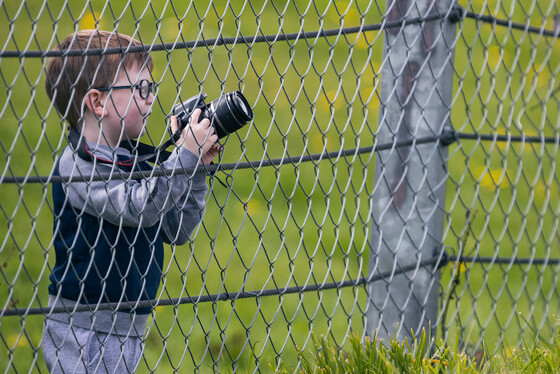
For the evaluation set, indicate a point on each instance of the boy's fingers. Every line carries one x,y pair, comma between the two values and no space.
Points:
216,149
213,138
195,115
174,124
205,122
211,129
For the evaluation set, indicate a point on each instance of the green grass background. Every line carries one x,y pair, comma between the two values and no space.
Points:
296,224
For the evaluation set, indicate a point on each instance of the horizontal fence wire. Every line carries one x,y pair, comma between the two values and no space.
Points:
455,14
437,262
446,138
505,260
512,25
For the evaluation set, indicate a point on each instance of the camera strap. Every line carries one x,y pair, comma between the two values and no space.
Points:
143,152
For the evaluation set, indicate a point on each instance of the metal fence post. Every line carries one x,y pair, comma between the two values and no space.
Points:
410,181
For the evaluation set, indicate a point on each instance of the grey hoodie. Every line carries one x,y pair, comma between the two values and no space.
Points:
171,205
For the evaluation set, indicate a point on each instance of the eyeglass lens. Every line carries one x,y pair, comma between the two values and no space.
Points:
145,87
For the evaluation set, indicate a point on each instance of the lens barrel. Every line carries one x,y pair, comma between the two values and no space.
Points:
228,113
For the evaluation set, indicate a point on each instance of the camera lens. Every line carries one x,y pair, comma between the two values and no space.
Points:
240,107
229,113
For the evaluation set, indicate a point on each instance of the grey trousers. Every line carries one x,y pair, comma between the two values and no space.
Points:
72,349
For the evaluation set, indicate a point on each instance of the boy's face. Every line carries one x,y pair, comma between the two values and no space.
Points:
126,111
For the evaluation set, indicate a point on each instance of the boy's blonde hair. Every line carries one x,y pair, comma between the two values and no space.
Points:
69,78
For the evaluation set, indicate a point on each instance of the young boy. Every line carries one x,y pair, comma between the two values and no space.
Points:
109,234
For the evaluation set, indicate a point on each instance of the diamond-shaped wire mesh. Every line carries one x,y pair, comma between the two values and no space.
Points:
283,250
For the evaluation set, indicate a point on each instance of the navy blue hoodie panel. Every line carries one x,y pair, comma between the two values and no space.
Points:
98,261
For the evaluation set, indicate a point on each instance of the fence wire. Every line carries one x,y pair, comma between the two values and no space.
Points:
283,249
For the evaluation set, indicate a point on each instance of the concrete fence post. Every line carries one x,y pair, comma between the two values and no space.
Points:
410,181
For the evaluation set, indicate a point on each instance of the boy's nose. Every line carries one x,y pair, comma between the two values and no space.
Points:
150,98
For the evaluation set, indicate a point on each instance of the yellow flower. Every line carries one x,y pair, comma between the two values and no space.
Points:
490,179
88,21
254,207
16,340
494,57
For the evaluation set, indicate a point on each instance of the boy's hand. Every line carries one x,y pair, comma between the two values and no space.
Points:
211,154
198,137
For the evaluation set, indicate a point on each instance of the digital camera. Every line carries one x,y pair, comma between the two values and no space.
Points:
227,114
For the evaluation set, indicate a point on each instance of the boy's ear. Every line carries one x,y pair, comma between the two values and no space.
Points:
95,102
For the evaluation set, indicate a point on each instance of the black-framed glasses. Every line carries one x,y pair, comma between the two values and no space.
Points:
144,87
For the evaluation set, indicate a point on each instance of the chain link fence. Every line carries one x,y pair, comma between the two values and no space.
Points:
286,249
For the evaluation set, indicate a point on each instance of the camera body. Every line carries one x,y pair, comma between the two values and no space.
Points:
227,114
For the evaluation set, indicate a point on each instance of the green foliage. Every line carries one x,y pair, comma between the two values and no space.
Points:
378,356
367,355
542,356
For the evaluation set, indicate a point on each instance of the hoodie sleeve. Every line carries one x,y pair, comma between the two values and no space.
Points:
144,202
180,221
